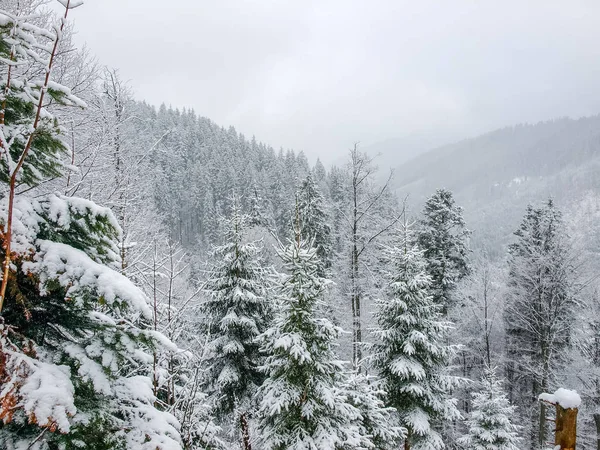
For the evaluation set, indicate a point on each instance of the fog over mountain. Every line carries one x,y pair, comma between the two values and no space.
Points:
318,75
495,175
391,153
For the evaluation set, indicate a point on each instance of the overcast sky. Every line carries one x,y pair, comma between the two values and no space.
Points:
319,75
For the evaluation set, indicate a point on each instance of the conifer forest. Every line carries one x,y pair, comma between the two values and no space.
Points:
171,284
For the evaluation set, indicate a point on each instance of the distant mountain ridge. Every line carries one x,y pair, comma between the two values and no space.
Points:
494,176
391,153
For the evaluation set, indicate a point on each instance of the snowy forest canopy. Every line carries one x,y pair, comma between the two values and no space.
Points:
171,284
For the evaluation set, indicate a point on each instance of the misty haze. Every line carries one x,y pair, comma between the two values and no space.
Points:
320,225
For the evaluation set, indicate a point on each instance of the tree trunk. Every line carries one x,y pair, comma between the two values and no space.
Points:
542,426
487,328
245,432
597,422
356,331
544,388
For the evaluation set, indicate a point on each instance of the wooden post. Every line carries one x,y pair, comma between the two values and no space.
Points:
566,404
566,427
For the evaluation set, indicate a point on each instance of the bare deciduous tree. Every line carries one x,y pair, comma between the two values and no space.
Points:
370,213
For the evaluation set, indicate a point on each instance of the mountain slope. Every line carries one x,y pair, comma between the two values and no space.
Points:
494,176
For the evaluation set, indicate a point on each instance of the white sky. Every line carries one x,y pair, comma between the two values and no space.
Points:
320,75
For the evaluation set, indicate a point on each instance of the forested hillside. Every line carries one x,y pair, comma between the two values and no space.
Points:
168,283
497,174
193,166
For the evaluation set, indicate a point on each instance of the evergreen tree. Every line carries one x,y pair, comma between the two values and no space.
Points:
74,337
234,314
379,422
257,214
314,221
320,174
338,194
587,366
444,240
411,354
539,312
74,360
490,423
302,401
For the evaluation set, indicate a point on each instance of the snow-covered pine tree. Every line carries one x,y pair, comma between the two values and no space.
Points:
257,213
234,313
379,422
490,423
443,237
314,221
411,353
338,195
30,148
303,406
539,312
73,359
586,364
261,225
75,346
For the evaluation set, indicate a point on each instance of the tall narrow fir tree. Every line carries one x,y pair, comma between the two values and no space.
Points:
443,237
303,406
234,313
490,423
411,353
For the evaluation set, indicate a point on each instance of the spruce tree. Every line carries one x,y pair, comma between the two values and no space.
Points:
315,221
75,342
539,311
302,401
235,312
491,421
443,237
378,421
258,216
411,353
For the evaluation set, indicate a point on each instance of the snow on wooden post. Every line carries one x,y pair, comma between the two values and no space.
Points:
566,403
